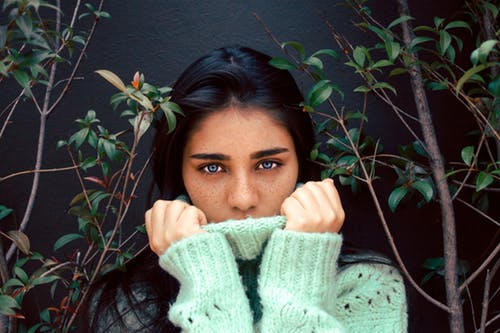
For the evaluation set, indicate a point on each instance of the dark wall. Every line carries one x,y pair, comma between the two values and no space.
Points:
160,38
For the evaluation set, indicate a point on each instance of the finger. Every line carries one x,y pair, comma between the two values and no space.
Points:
174,211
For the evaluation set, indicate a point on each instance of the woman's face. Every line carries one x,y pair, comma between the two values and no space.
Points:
239,163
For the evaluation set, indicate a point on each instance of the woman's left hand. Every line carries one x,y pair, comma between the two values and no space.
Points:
314,207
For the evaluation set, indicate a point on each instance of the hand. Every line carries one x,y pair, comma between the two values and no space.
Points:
314,207
171,221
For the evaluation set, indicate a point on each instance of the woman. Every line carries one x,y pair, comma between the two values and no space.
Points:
239,245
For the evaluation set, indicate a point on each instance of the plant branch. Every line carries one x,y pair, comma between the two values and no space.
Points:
487,284
478,271
38,171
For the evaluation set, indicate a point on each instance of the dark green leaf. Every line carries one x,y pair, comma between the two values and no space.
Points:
494,87
65,239
4,211
45,279
21,274
329,52
396,196
297,46
467,76
438,21
398,71
359,56
22,78
424,188
79,137
382,63
315,62
363,89
483,180
13,283
319,93
492,8
458,24
467,155
399,20
7,304
444,41
88,163
384,85
433,264
281,63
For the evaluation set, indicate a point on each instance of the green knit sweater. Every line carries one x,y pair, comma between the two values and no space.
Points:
251,276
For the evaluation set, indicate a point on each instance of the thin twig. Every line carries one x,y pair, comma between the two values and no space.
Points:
487,284
38,171
478,271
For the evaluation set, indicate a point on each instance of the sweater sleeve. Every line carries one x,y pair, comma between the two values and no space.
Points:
297,283
371,298
211,296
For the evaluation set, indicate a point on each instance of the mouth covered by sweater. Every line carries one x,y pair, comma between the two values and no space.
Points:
252,276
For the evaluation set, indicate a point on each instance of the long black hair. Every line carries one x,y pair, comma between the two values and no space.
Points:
138,299
231,76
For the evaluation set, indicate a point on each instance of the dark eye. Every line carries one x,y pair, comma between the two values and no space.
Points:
212,168
266,165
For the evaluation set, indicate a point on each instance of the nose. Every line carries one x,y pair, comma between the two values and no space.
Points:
243,195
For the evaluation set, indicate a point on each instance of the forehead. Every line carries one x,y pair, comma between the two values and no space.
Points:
238,128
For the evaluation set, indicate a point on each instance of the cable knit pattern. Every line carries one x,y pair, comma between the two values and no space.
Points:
295,290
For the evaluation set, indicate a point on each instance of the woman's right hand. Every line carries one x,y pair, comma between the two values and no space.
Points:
171,221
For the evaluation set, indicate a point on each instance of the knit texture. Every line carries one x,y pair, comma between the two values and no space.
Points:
251,276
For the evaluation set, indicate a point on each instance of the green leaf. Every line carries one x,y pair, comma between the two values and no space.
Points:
113,79
363,89
399,20
45,279
329,52
319,93
359,56
396,196
392,49
480,55
21,274
458,24
79,137
444,41
13,283
7,304
88,163
65,239
468,75
494,86
433,264
21,240
483,180
467,155
281,63
438,21
384,85
398,71
22,78
424,188
492,8
382,63
315,62
4,211
297,46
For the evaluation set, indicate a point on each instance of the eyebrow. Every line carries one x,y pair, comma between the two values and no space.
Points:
223,157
